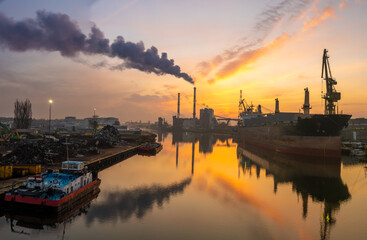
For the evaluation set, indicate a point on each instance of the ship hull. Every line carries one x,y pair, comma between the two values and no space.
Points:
273,138
312,136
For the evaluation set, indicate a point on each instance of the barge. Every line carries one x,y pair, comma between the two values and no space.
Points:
55,191
150,148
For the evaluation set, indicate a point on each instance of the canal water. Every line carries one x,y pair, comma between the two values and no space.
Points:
207,187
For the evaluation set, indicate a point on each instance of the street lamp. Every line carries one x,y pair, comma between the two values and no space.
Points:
94,122
49,120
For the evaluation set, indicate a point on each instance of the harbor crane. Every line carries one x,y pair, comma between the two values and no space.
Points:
243,105
331,96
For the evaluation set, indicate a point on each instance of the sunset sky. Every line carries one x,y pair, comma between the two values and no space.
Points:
269,49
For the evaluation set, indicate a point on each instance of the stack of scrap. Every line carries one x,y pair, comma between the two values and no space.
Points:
48,152
108,136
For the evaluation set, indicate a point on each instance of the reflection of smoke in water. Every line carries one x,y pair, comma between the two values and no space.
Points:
136,202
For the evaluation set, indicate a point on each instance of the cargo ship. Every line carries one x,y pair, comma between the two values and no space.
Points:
55,191
303,134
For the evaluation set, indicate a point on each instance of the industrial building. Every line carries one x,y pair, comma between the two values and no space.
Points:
207,119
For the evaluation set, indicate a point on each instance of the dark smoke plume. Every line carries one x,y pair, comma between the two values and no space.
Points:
57,32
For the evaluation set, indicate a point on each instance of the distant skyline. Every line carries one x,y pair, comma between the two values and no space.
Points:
269,49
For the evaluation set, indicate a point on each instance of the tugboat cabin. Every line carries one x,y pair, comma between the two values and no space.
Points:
72,166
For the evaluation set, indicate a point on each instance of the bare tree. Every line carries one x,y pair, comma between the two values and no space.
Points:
22,114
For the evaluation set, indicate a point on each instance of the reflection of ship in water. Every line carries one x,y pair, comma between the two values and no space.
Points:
319,181
36,219
138,201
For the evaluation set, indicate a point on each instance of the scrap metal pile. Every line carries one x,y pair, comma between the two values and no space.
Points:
108,136
48,152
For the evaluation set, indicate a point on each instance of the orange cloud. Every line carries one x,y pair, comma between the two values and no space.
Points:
343,3
320,17
207,67
235,191
248,57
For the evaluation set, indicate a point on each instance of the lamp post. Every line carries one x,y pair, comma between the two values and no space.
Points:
94,122
49,119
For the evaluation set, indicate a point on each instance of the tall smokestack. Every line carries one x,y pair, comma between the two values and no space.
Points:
194,110
306,106
276,105
178,105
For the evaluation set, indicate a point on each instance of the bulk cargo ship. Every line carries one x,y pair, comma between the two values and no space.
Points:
304,134
55,191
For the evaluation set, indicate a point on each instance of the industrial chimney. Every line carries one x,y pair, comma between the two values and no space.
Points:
194,110
178,105
276,105
306,106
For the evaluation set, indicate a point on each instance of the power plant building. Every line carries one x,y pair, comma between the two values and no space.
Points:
180,124
207,119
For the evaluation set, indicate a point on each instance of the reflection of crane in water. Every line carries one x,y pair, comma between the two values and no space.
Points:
327,220
325,187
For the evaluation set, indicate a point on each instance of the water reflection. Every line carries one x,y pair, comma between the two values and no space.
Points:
204,190
127,203
162,135
206,143
319,181
206,140
20,219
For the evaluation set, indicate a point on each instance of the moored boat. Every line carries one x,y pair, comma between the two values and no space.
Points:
150,148
55,190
